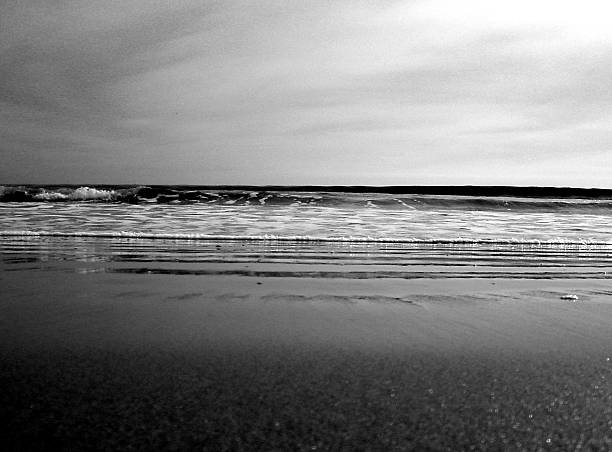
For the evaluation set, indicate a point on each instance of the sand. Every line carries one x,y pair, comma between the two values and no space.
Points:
111,361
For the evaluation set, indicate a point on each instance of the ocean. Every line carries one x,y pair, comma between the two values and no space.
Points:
356,232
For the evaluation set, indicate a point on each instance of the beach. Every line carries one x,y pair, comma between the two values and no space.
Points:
94,359
178,318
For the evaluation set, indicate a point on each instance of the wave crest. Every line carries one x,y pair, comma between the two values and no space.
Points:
270,198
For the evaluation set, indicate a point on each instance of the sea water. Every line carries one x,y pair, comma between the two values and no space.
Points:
320,233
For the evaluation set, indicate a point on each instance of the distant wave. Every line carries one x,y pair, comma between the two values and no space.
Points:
440,197
297,238
41,194
444,190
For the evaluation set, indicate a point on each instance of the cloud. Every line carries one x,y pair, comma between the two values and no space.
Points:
294,92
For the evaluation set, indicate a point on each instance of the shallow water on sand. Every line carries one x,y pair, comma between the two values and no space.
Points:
310,259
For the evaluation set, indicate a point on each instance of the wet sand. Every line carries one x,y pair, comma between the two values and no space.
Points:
111,361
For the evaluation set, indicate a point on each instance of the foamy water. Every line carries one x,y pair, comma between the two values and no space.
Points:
306,234
350,218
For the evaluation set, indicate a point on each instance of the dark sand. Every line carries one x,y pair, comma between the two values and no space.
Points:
98,361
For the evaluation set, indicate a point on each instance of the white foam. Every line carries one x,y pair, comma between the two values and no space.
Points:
87,193
405,205
298,238
50,196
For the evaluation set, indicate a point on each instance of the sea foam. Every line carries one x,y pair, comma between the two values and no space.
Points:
303,238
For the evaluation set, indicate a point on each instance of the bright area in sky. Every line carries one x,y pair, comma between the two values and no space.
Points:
318,92
588,20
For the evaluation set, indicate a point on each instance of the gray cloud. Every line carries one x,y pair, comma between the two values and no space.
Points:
239,92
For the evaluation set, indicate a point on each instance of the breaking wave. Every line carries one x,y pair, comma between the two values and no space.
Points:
393,198
41,194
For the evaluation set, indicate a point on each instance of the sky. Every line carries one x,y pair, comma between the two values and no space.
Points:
422,92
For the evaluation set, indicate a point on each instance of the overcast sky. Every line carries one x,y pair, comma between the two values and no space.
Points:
515,92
